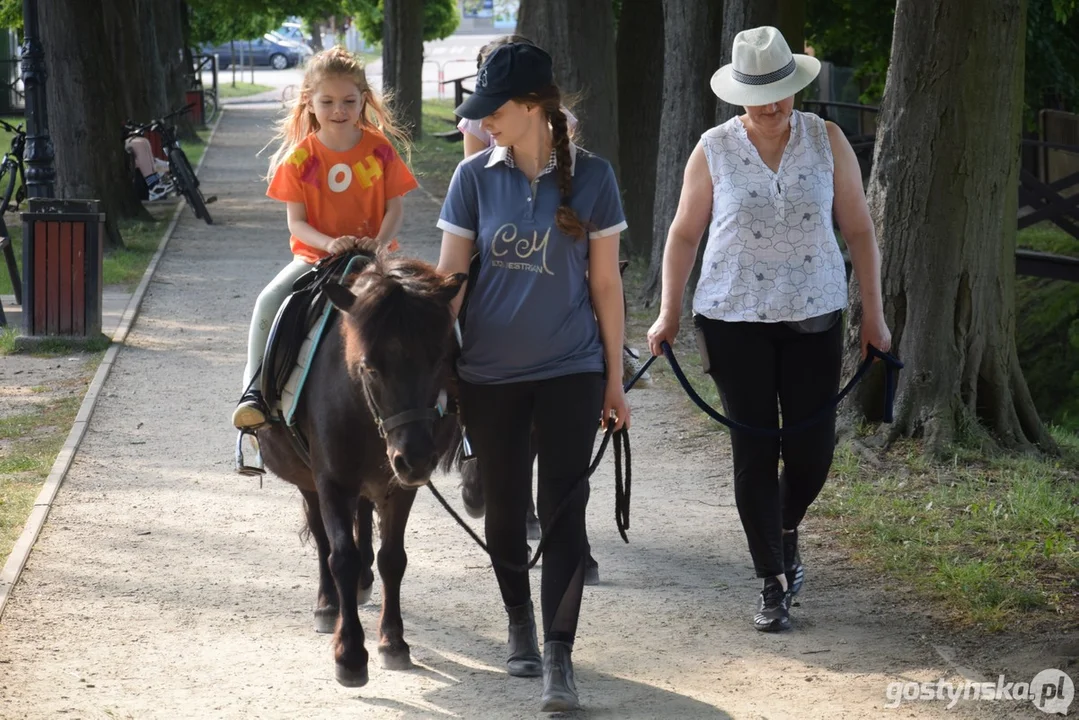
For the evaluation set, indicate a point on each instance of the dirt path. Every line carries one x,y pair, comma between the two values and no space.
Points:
165,586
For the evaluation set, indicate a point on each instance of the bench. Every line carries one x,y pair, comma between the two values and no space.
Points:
459,92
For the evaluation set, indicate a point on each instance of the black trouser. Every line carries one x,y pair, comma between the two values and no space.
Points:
565,414
752,365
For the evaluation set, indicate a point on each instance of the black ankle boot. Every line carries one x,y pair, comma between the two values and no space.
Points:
524,658
559,690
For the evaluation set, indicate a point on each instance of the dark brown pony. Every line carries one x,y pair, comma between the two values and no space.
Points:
375,436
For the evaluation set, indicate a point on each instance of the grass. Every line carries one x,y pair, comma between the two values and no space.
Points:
242,89
30,442
433,158
990,542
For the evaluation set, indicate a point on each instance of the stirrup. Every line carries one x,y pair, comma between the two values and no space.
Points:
256,468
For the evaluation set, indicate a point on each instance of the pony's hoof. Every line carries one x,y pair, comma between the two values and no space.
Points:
325,620
363,595
476,511
395,658
591,572
350,678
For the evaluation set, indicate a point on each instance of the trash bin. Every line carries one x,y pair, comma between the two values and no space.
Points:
62,267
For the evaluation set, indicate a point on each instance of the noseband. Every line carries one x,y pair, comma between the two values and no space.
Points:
402,418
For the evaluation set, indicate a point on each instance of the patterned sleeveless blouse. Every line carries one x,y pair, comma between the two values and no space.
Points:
771,254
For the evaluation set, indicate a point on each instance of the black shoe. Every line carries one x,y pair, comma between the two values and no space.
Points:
792,563
773,613
559,690
250,412
524,657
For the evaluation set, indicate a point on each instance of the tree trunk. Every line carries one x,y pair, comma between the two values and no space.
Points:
168,21
691,37
128,52
316,36
639,51
85,119
402,61
156,100
943,198
579,35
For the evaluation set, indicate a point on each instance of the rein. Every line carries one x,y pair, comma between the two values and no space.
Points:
623,488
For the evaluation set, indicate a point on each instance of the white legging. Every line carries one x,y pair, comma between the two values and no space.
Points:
266,307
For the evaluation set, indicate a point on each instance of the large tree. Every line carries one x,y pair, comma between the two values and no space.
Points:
133,40
86,122
402,61
691,38
579,35
639,52
942,195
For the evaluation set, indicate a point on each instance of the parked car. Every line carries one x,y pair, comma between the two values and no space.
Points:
265,50
301,47
293,31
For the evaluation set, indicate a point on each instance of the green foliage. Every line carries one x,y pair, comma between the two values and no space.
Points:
11,14
440,18
1052,58
858,34
855,34
219,21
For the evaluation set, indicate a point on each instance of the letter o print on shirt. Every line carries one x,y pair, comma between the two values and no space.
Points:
339,177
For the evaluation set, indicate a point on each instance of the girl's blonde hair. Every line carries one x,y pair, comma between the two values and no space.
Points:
300,122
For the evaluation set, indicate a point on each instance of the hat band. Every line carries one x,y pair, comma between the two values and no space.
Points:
767,79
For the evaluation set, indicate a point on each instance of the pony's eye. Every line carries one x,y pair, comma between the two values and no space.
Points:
367,367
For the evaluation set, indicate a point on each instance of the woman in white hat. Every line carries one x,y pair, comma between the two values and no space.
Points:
773,287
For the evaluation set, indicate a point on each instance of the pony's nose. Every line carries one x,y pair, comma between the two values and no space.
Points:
401,465
409,469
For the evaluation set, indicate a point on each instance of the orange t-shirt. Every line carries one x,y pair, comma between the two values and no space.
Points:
345,193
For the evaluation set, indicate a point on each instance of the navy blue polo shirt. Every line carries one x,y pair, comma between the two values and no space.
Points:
530,313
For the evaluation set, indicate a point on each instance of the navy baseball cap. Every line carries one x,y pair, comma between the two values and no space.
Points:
510,71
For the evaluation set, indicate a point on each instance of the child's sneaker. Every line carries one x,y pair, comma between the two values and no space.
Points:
161,190
251,412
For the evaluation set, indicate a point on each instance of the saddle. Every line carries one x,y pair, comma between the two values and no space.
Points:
297,332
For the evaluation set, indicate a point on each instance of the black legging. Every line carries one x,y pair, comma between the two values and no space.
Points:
754,364
500,418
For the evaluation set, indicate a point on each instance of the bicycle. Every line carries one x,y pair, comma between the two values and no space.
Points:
13,184
209,106
183,175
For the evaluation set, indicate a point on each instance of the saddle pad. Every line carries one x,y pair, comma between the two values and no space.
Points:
291,392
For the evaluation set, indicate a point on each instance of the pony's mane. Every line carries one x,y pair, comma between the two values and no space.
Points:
398,297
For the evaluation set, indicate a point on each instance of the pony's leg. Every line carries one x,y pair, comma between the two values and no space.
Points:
365,519
393,513
326,603
338,515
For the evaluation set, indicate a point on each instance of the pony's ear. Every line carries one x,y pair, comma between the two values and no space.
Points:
452,286
341,297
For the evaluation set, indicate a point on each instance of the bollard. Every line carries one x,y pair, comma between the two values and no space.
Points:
62,267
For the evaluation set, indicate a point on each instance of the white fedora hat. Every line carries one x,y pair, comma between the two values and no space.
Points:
763,70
